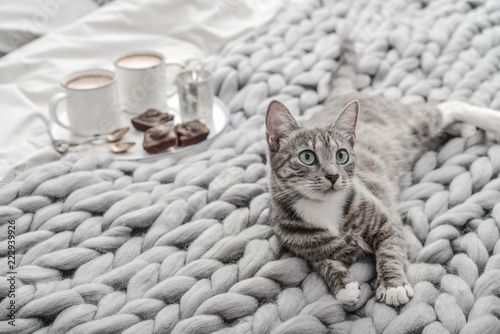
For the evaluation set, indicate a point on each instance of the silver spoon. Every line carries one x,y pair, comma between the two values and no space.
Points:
118,147
110,138
62,146
115,135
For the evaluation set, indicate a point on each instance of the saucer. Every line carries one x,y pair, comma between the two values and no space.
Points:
221,116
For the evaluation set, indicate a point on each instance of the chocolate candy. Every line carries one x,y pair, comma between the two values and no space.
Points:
160,137
150,118
191,132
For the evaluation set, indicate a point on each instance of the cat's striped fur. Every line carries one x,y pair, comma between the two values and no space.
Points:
332,214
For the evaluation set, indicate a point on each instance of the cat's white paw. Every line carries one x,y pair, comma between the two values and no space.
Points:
350,294
396,296
468,130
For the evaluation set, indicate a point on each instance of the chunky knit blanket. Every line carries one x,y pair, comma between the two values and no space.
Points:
184,245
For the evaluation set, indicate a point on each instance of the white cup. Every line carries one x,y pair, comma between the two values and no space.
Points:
143,82
91,102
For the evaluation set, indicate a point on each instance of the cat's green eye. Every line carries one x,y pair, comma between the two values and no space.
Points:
307,157
342,156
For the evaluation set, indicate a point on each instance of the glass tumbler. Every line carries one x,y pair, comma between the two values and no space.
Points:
195,88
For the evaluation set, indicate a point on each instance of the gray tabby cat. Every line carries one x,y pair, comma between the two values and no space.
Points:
335,183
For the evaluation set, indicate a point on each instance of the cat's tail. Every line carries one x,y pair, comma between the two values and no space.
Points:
343,77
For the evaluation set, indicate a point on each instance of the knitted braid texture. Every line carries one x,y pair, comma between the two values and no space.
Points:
184,246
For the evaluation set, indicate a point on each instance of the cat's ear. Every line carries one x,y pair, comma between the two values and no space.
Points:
279,124
346,121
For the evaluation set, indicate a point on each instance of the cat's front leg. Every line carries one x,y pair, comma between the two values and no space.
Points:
390,253
339,280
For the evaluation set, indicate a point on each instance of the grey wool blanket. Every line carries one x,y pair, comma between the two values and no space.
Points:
184,246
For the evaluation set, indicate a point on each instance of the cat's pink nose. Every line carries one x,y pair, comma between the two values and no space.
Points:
332,178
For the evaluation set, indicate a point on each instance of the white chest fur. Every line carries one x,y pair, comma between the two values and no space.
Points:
326,214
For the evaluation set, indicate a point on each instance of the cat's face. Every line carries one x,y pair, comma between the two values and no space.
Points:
314,162
310,163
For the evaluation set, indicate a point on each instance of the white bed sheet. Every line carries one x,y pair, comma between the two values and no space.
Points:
26,20
180,29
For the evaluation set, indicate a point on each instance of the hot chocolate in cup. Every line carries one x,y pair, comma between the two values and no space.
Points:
138,61
143,82
91,102
89,81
